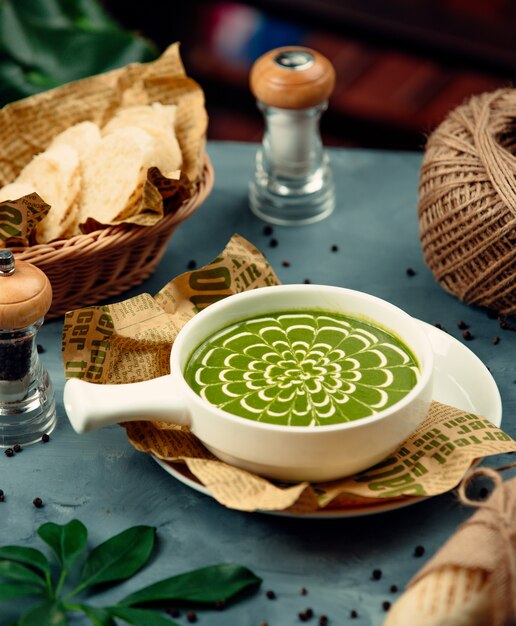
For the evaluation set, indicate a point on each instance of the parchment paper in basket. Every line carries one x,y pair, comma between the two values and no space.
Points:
28,126
19,218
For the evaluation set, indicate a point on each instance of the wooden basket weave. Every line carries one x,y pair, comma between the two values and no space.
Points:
86,269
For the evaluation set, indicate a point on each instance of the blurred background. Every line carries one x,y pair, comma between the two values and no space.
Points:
401,65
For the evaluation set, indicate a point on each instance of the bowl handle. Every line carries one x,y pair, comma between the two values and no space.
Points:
90,406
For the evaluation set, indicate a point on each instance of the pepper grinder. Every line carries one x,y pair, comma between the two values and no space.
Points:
293,182
27,405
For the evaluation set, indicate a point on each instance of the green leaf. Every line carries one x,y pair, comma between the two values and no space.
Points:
28,556
118,558
98,616
11,570
66,12
45,44
47,614
8,591
68,541
205,585
141,617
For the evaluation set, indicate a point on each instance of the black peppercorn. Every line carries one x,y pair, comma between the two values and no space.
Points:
303,591
270,594
191,265
40,349
495,340
268,230
419,551
410,271
306,615
386,605
17,448
462,325
393,588
45,438
9,452
37,502
174,611
285,263
273,242
353,614
307,281
334,248
15,356
377,574
191,616
467,335
505,325
2,497
323,620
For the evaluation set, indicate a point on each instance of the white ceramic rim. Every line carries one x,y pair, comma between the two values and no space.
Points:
426,369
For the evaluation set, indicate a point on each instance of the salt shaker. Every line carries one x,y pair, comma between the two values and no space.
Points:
27,404
293,182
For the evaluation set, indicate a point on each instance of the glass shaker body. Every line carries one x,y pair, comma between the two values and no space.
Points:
27,405
293,181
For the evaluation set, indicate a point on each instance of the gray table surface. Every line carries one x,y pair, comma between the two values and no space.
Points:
103,481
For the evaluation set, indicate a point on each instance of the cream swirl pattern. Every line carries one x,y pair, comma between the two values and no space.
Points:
302,368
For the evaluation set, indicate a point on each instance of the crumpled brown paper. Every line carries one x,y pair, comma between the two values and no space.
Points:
130,341
28,126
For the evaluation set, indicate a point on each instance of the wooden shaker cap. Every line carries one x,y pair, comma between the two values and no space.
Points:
25,295
292,77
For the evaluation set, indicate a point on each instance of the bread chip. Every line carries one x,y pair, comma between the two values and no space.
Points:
54,175
14,191
114,175
83,137
158,120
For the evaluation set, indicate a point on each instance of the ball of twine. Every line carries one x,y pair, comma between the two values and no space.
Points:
467,202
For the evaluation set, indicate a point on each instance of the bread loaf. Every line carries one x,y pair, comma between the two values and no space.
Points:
471,580
450,596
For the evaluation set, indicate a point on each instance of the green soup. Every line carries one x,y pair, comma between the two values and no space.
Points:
302,368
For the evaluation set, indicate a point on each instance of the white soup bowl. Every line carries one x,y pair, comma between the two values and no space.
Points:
290,453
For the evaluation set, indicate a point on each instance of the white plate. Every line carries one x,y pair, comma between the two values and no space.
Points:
461,380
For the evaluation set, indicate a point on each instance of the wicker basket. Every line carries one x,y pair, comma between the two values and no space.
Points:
87,269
